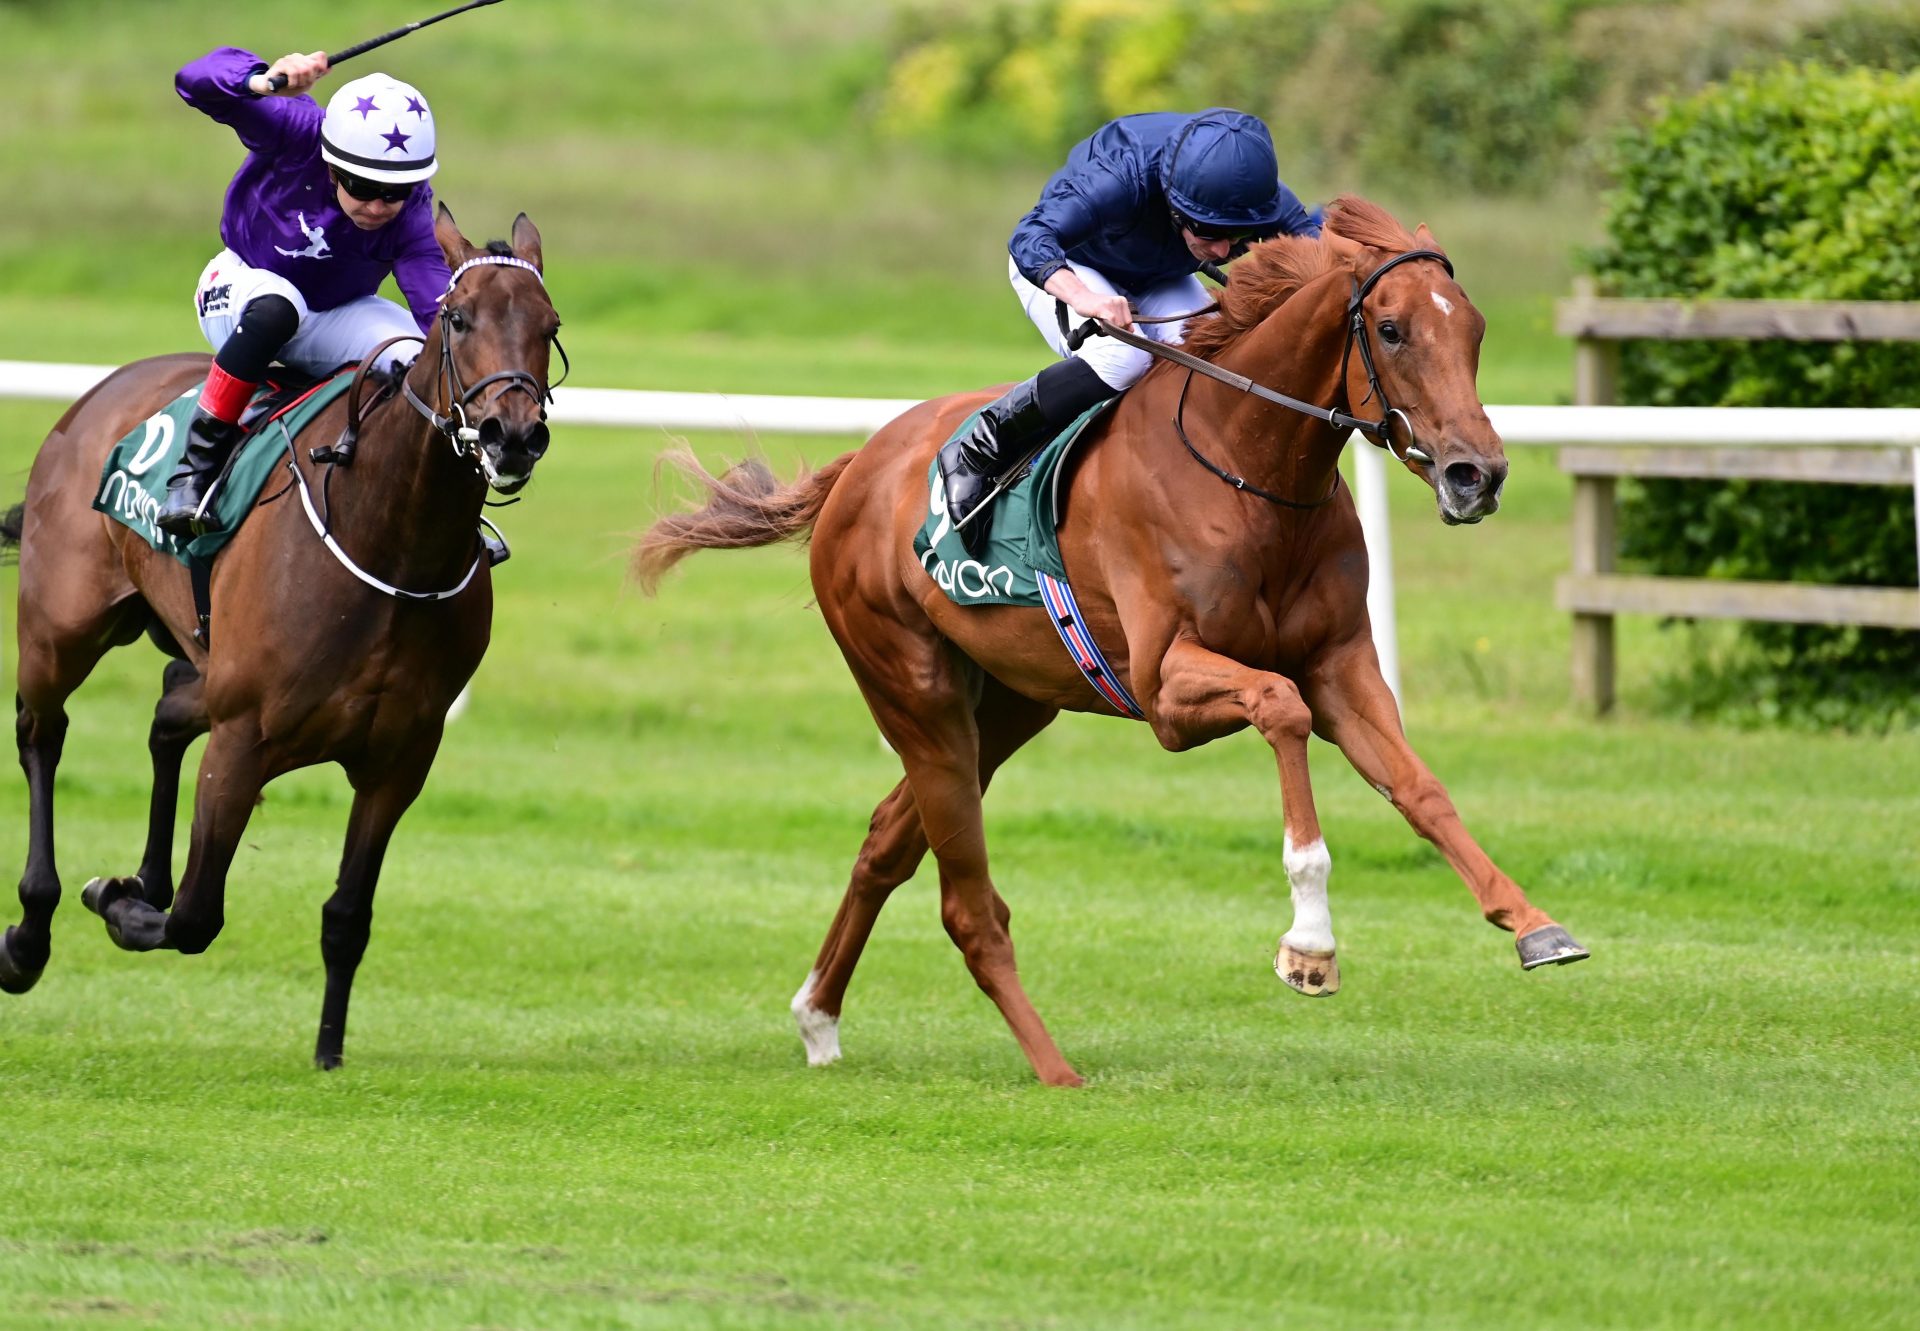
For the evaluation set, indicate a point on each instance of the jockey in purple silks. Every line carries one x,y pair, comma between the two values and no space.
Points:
325,207
1136,211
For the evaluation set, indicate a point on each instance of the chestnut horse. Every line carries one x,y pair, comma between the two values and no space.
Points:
1222,605
309,662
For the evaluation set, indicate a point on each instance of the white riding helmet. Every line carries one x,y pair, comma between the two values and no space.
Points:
379,128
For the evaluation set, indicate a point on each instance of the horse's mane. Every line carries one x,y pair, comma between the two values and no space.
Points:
1273,270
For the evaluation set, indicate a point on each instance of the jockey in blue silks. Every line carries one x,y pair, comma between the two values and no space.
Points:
327,205
1121,228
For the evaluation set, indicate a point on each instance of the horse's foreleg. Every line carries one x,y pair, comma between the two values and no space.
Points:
1203,694
232,771
895,845
346,920
1353,707
179,718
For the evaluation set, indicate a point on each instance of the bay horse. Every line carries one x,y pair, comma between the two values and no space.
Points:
1222,605
312,658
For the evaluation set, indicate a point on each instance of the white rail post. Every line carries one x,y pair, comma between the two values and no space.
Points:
1370,498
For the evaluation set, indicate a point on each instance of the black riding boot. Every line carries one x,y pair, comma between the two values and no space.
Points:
210,442
1006,430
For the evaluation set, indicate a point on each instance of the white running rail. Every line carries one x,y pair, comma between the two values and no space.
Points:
859,417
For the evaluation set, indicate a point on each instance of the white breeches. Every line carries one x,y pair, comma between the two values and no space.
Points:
1117,364
327,338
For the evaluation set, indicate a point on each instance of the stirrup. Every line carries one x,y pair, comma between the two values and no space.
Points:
495,544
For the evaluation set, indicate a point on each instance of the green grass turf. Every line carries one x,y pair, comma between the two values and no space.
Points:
573,1097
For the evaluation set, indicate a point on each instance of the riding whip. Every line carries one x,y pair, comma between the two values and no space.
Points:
279,81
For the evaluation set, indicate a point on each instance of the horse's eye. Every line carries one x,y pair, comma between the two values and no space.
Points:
1390,332
456,321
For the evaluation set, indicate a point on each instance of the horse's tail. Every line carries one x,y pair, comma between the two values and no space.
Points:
745,507
10,524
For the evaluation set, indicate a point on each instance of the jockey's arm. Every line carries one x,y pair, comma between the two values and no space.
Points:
302,72
1083,300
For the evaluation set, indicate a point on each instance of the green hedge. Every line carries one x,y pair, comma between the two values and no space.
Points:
1796,182
1478,94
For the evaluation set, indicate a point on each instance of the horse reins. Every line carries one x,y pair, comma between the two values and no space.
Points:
453,427
1380,432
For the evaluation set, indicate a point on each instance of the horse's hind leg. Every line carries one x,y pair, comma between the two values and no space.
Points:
922,693
346,920
232,771
41,733
52,666
895,845
1353,707
179,718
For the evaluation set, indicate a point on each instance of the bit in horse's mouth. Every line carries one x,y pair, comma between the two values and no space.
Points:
501,481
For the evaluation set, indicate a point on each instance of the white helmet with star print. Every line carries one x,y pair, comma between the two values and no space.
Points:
379,128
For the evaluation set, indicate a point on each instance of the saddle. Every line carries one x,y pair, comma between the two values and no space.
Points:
134,478
1022,522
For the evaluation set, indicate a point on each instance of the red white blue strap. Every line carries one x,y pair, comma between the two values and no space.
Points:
1065,614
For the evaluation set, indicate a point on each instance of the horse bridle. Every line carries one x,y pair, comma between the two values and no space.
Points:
1380,432
453,426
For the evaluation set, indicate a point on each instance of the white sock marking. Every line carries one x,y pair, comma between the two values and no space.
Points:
1308,869
818,1031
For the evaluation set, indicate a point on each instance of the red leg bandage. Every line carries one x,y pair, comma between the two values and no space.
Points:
225,397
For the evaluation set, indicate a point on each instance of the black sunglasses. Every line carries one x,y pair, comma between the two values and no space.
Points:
1238,237
367,191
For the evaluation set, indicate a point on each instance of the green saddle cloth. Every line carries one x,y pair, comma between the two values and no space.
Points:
133,484
1022,529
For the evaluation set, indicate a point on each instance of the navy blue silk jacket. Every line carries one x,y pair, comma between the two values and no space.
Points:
1107,209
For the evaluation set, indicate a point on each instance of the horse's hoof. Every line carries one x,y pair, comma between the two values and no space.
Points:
1315,974
14,977
94,896
1549,945
327,1062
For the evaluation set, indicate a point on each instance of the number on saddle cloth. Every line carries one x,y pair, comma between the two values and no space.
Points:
133,482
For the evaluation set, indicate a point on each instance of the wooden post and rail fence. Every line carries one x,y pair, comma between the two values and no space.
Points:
1595,593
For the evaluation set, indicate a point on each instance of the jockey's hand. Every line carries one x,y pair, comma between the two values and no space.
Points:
1114,309
302,72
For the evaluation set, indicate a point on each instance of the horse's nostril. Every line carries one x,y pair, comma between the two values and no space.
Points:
1465,478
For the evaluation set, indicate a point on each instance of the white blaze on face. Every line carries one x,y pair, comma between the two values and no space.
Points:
818,1031
1308,868
1446,306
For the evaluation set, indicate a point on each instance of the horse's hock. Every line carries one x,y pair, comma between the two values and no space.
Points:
1594,592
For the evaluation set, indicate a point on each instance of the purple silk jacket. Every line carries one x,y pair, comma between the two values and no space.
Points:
281,213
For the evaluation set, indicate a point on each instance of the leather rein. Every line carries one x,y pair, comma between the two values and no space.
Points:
453,427
1380,431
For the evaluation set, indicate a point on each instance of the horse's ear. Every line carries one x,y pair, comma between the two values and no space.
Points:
452,243
526,240
1423,238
